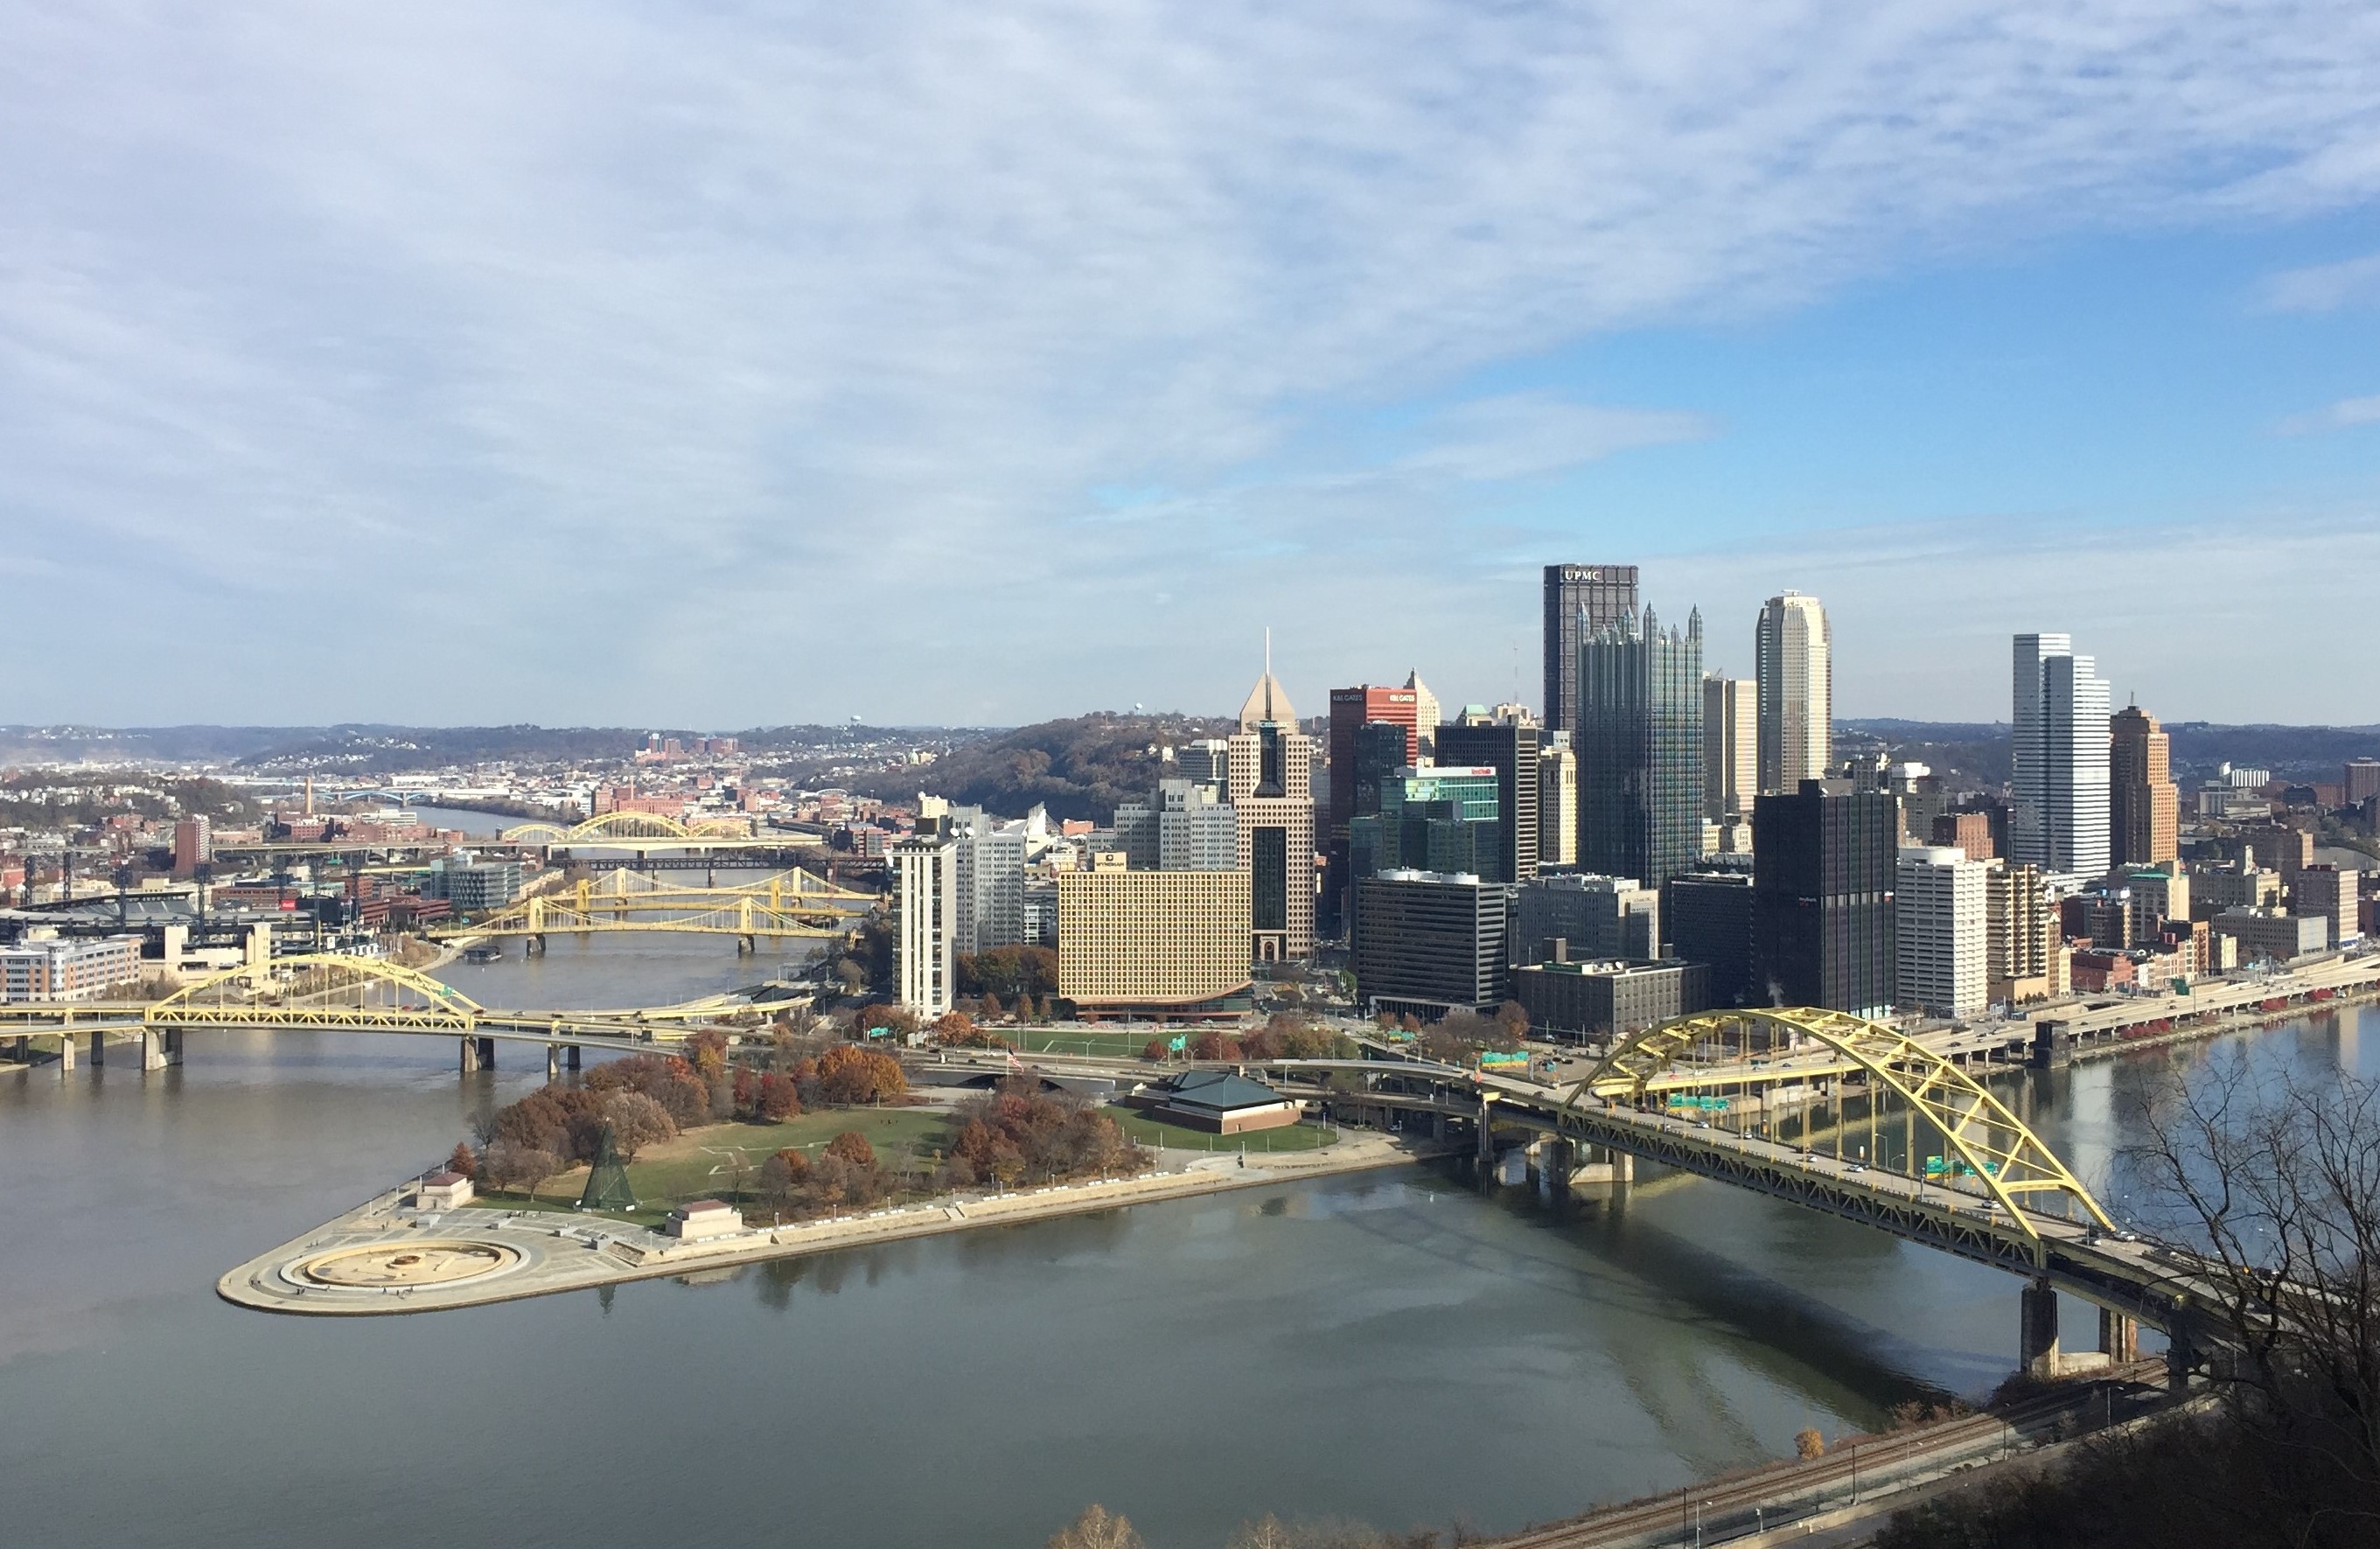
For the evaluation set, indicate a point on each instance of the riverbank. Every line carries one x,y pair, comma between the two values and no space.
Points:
2240,1022
385,1257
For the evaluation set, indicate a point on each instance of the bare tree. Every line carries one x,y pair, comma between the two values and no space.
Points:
2275,1180
1098,1528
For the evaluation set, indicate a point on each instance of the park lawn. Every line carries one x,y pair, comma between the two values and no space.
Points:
1078,1040
1301,1136
702,1164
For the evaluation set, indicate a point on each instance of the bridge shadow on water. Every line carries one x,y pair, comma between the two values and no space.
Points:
1593,1246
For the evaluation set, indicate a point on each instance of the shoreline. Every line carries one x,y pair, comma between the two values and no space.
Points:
548,1253
2242,1022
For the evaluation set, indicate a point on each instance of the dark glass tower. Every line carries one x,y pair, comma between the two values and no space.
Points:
1639,743
1511,751
1580,601
1824,861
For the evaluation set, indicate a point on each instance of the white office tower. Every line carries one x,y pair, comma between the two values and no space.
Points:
925,907
989,879
1731,747
1941,931
1793,652
2059,756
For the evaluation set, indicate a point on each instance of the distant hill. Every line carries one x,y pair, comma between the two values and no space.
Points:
1980,750
1077,768
395,749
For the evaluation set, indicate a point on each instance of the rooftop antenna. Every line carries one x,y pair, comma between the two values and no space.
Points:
1267,650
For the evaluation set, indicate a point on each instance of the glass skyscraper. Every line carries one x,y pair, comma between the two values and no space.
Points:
1639,742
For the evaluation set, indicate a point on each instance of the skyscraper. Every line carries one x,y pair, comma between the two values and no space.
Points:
1426,713
2144,805
2058,754
1639,741
1823,859
1269,783
1510,747
1580,601
1557,802
1351,710
1793,650
1731,747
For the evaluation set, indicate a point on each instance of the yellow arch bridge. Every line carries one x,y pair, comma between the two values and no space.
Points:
1841,1115
331,992
631,830
789,903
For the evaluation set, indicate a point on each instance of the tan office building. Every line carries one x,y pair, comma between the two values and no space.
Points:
1269,780
1153,943
2144,804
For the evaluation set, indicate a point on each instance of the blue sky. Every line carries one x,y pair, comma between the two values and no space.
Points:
723,366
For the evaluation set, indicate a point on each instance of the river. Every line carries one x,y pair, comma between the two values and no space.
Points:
1392,1348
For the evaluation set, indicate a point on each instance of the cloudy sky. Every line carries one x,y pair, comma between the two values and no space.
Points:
700,364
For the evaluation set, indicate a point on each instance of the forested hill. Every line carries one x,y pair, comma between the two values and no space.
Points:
1076,768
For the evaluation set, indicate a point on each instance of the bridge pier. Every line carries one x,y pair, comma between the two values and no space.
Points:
552,1063
2037,1330
2119,1338
1605,1165
747,946
154,1053
570,1056
534,945
478,1054
65,1054
98,1049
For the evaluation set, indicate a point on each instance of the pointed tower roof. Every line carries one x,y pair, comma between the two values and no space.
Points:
1267,700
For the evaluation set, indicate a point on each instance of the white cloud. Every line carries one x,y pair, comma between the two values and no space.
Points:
2325,287
1521,434
703,320
2340,416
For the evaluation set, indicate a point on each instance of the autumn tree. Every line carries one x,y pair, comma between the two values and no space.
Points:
853,1147
1808,1444
848,1075
463,1159
636,1121
779,1098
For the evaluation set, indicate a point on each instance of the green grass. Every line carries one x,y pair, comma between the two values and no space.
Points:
702,1163
1087,1040
1151,1132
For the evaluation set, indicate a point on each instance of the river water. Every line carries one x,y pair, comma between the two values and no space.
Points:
1391,1347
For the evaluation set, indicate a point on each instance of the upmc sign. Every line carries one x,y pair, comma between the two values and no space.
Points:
1580,572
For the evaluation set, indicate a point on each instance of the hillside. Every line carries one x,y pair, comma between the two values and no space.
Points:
1077,768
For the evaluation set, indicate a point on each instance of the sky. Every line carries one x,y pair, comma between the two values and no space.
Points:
713,365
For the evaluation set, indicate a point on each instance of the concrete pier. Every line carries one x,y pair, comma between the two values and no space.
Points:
2037,1331
570,1056
553,1062
2119,1338
478,1054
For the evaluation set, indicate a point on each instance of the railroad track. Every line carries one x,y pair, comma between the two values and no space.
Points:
1733,1508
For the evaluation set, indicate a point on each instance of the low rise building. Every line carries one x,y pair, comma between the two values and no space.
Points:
67,969
1431,942
2328,893
1609,999
1219,1102
1598,916
2271,934
703,1220
1154,943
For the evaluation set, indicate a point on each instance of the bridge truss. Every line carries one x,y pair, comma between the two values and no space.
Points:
1985,1143
625,902
609,826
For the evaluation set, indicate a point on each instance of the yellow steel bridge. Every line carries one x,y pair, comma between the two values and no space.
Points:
623,902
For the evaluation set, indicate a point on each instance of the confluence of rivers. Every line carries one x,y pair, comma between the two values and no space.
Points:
1392,1348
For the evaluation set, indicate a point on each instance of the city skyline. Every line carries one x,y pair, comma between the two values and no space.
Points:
1170,346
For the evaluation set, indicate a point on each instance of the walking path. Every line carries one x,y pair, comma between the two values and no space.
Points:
387,1257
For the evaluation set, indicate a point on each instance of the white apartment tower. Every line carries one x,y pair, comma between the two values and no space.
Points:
2058,755
925,924
1793,652
1942,931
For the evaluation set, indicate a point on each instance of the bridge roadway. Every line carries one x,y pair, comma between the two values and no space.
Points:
2131,1282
